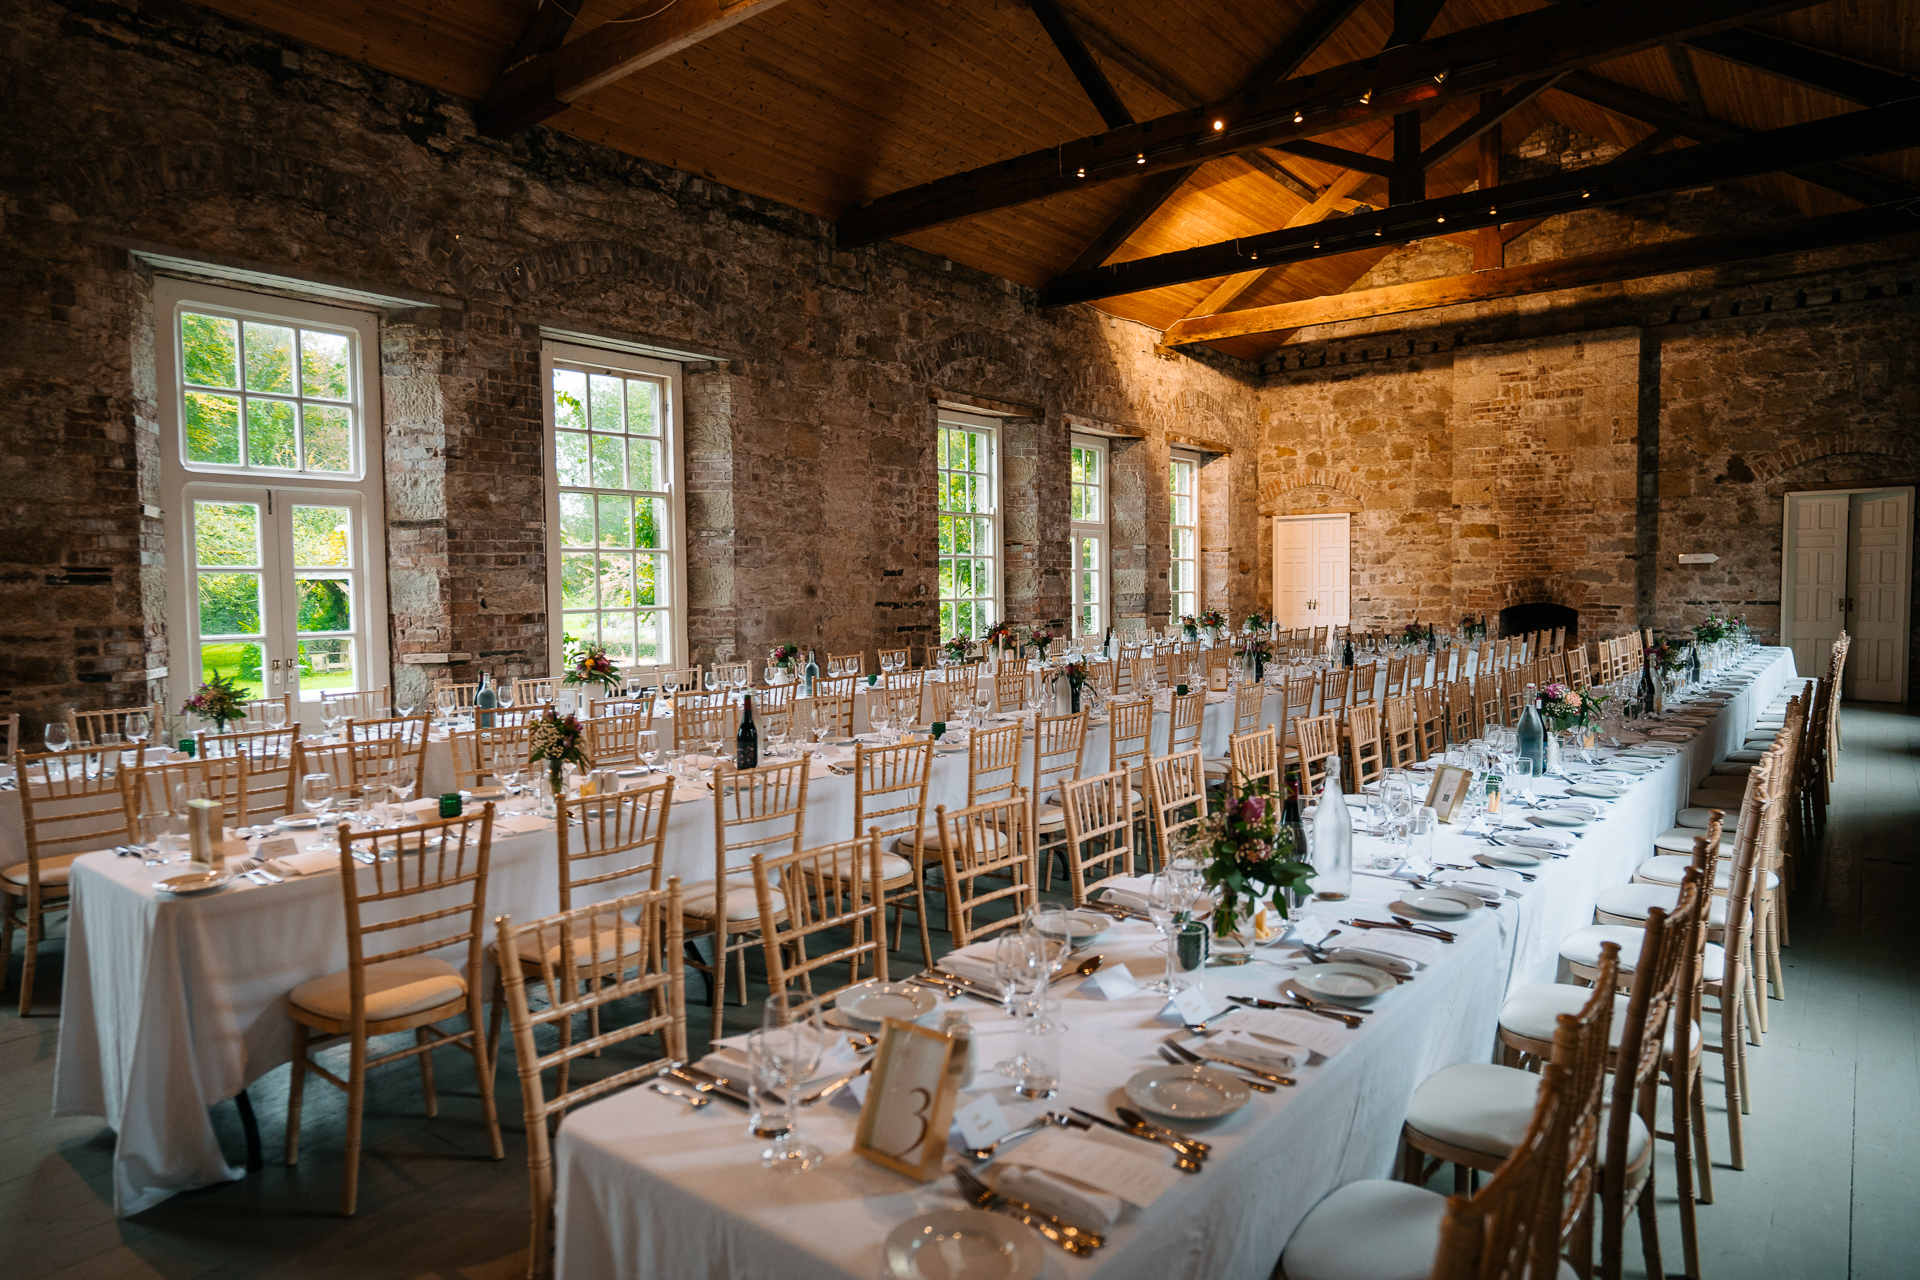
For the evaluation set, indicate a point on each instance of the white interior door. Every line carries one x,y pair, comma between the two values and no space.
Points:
1814,566
1880,556
1312,570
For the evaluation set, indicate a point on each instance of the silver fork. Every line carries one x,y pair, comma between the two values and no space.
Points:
1064,1234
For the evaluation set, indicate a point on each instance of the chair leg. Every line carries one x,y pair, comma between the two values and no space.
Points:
296,1094
926,939
1650,1230
719,978
1776,975
740,965
356,1112
493,1026
7,902
29,963
1750,1003
426,1073
484,1071
1702,1153
1733,1067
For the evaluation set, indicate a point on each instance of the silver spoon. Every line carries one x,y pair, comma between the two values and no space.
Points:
694,1101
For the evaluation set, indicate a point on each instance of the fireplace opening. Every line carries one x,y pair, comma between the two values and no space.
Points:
1522,618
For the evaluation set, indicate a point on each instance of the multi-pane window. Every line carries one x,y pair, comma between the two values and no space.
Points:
967,479
614,473
1087,490
266,395
1183,576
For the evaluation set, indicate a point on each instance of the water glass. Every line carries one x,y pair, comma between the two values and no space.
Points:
316,796
1520,779
785,1053
1036,1074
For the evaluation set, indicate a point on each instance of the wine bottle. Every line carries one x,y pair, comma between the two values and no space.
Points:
1693,663
746,743
1530,735
1649,687
1290,822
1106,648
484,702
1332,841
813,672
1346,653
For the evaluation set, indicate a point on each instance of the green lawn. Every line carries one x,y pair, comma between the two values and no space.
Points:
225,660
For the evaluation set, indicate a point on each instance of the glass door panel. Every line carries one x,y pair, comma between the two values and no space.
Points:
227,576
322,538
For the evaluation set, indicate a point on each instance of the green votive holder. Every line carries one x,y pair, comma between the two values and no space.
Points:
450,805
938,727
187,746
1181,690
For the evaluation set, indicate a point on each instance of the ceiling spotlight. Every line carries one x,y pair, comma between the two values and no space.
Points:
1586,195
1218,125
1254,256
1083,173
1316,244
1440,76
1366,98
1141,158
1298,117
1493,213
1441,218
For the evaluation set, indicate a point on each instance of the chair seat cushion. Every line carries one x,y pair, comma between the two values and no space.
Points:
602,941
1729,769
1582,947
1680,840
1634,901
1725,799
1531,1009
1049,817
1487,1108
892,866
1723,782
395,989
930,842
697,900
1699,816
54,869
1373,1230
1745,756
1671,868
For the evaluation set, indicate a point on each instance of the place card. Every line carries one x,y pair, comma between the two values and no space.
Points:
1139,1179
1449,791
981,1122
1323,1036
1312,930
1114,982
1189,1004
276,847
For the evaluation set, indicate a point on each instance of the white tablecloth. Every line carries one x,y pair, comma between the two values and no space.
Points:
646,1187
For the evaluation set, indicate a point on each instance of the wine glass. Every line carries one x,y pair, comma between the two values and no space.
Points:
503,695
1520,770
1169,897
316,795
785,1053
400,781
329,716
138,730
55,736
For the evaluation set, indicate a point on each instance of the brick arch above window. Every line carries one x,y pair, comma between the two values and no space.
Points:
1769,466
1310,488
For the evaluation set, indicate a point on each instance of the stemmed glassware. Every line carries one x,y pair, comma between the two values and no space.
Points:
1170,898
139,729
55,736
1520,769
329,716
785,1053
316,796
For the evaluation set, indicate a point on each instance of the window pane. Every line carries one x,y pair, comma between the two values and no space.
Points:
962,537
946,621
323,365
616,582
239,663
604,403
650,523
983,577
584,627
570,399
983,543
1077,504
1089,587
229,604
209,350
226,533
963,578
213,428
616,521
327,436
643,408
570,459
325,664
270,434
269,357
966,621
947,576
646,638
576,520
616,632
320,538
324,605
643,465
576,582
649,572
609,462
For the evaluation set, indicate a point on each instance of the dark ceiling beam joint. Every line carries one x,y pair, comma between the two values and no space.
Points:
1802,64
1340,157
1484,119
1689,83
1073,50
1411,21
545,31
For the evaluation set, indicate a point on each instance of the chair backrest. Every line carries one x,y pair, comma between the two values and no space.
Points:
1129,733
257,709
65,809
620,835
901,700
987,857
632,706
904,657
410,730
702,718
10,738
1360,737
1334,685
1059,745
536,689
1400,741
1366,678
890,789
462,692
755,811
1513,693
88,726
1186,713
334,759
671,680
223,778
640,936
358,704
619,739
737,675
829,899
1254,760
1460,712
830,712
1010,690
1315,742
1102,674
1249,703
992,753
1176,797
1430,706
1396,675
479,754
444,859
269,754
1099,819
1489,707
514,717
859,658
948,695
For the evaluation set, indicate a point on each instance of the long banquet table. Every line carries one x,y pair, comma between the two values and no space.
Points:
647,1187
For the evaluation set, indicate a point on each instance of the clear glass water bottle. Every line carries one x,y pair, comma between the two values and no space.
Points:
1332,841
1530,735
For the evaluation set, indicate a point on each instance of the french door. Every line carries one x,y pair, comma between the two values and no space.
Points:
1846,563
1312,570
281,593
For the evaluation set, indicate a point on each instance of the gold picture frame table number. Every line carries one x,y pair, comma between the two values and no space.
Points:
909,1105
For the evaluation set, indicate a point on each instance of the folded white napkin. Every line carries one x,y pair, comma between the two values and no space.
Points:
1490,883
1125,898
1252,1051
520,823
1528,840
1392,944
975,962
1065,1198
305,863
1572,806
730,1062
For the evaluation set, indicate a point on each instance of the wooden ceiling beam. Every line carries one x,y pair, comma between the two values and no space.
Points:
1817,69
1873,131
1855,184
1411,19
1460,65
1487,117
548,83
1339,157
1284,61
1073,50
1282,175
545,31
1796,235
1689,83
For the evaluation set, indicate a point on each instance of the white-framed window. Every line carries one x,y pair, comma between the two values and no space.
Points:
1087,502
967,479
273,517
1183,520
616,504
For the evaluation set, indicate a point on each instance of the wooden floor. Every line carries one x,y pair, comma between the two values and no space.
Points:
1831,1189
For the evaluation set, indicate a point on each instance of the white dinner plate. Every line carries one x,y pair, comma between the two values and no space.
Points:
1670,735
1596,790
1345,983
963,1244
193,882
1193,1092
1511,856
1628,766
1655,752
296,823
1077,927
1558,818
1443,903
873,1000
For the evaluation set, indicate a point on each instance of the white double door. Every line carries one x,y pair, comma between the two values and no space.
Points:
1312,570
277,589
1848,564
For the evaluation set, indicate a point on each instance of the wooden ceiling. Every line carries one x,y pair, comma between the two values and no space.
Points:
828,105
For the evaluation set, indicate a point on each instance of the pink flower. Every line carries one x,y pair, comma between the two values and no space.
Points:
1253,809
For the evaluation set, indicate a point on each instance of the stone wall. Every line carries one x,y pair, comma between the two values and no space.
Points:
157,127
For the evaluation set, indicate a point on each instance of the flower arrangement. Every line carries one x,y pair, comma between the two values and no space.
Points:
1076,673
1039,637
1561,707
1415,633
218,699
785,655
588,663
1257,650
1713,630
1214,621
1666,655
1256,622
1189,627
1247,854
1000,636
956,648
558,740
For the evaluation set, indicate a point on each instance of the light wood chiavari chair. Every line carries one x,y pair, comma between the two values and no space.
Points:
462,692
1315,741
1513,693
701,719
482,754
1489,703
1334,686
410,730
256,709
515,717
1400,736
335,759
1010,690
1483,658
1579,674
828,897
773,708
947,696
91,726
859,659
1140,674
1256,759
1360,739
269,754
615,741
890,804
1430,708
1059,749
1249,703
359,704
1396,676
65,811
635,706
902,701
403,988
1186,712
1102,674
1363,690
1176,799
1462,715
754,811
988,857
1100,819
536,689
649,967
157,788
671,681
903,656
